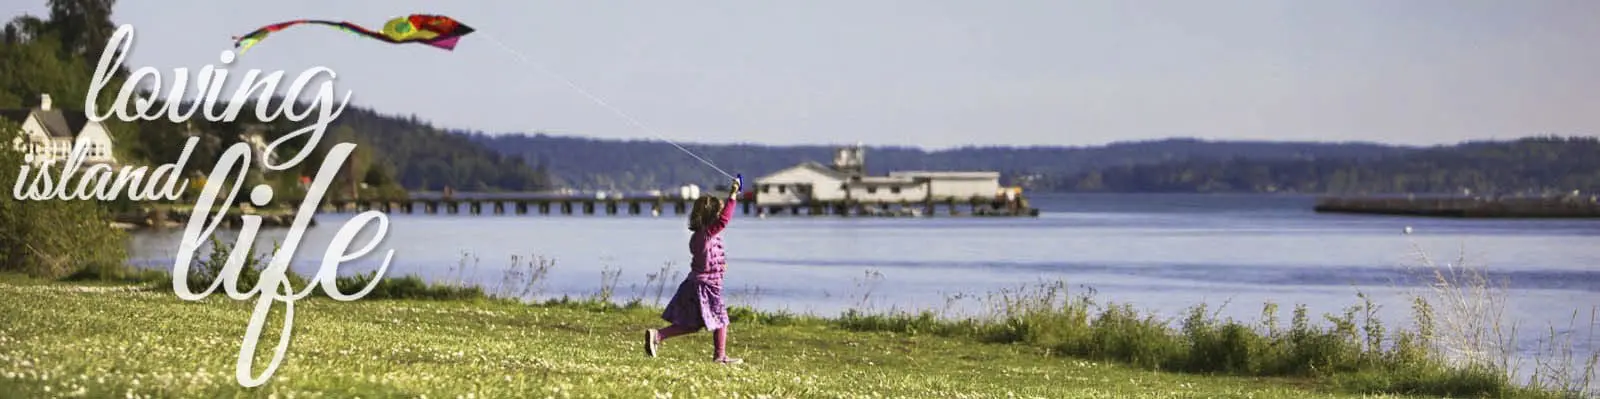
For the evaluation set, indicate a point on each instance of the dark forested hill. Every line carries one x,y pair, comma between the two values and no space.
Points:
639,164
423,157
1536,165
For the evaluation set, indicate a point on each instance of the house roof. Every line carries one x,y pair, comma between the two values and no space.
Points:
819,168
883,181
55,122
952,175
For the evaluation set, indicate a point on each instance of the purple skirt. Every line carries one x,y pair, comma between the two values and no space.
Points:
698,303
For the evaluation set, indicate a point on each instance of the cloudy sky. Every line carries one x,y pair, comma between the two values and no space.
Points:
940,73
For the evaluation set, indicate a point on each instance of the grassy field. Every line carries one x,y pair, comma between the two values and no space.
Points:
97,340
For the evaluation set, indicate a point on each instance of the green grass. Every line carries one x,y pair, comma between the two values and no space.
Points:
59,338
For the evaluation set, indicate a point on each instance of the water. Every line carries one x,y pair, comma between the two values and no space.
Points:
1164,253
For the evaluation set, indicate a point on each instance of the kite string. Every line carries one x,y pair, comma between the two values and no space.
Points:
636,123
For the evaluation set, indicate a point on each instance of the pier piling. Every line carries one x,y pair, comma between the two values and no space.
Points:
520,204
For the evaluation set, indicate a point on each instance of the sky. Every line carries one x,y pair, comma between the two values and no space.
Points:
935,73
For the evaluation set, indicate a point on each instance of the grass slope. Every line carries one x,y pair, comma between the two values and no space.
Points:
61,339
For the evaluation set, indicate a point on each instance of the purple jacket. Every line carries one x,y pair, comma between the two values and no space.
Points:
707,259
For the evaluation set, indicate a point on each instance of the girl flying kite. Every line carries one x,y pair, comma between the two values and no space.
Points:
698,302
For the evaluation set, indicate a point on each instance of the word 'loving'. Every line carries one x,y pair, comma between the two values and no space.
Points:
235,163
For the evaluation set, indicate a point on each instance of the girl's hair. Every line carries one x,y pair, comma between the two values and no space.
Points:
706,211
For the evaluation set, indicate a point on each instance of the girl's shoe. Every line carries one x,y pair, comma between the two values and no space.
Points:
730,360
651,337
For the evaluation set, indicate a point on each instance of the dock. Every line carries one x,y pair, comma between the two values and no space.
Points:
1464,207
568,204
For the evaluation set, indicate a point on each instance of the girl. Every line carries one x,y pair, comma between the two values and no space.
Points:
698,302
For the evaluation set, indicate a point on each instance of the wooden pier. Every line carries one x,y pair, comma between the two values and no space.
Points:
523,204
1464,207
974,207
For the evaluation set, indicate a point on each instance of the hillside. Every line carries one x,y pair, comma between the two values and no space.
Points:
393,153
640,164
423,157
1535,165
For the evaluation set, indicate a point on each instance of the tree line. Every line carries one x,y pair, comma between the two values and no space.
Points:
592,163
1529,165
1534,165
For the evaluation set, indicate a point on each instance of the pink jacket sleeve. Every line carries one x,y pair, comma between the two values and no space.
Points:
724,218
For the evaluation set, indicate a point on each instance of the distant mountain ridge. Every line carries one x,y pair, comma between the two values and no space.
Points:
1549,165
590,163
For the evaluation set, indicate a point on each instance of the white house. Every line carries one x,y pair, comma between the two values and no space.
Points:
811,182
256,137
801,184
50,134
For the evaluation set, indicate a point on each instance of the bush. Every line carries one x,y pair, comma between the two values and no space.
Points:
1350,350
51,239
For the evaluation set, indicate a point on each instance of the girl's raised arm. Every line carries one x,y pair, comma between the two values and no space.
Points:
727,215
727,210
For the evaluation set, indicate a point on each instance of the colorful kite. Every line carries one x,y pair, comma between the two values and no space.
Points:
433,30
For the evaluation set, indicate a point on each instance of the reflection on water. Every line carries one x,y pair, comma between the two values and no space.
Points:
1163,253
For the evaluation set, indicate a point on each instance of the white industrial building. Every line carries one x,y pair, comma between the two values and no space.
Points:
846,181
958,185
801,184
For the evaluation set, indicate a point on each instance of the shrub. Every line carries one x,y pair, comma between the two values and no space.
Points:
51,239
1353,349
